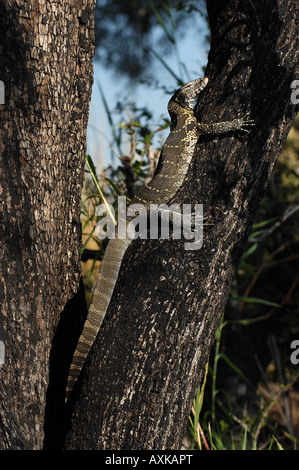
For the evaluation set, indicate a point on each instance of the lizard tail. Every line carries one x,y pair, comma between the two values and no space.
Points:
103,291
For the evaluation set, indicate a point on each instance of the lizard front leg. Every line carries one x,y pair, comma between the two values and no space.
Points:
239,124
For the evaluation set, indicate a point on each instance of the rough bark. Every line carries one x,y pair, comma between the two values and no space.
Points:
46,51
140,378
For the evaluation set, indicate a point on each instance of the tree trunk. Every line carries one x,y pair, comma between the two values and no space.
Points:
46,51
140,378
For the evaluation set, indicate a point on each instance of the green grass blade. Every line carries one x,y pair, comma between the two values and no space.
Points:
116,135
264,222
179,80
254,300
249,251
161,22
236,369
244,443
91,168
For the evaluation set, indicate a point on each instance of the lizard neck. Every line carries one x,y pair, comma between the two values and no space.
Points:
174,161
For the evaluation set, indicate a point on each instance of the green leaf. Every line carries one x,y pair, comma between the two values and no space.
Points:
254,300
236,369
113,185
263,223
249,251
91,167
87,240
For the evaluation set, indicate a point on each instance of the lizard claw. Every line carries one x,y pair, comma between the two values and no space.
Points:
244,123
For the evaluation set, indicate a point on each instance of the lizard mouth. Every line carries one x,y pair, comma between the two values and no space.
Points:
200,84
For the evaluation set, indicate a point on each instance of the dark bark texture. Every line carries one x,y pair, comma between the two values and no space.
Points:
46,51
139,381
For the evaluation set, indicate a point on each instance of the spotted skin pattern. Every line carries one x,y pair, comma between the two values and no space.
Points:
175,159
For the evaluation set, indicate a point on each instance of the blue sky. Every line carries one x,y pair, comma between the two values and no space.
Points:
193,51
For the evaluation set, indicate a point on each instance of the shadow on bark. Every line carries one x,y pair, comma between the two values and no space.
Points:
63,346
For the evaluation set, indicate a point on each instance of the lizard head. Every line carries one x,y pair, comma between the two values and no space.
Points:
185,95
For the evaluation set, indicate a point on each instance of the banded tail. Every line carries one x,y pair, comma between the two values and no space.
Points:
103,291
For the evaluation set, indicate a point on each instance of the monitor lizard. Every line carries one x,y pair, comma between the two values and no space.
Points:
174,162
